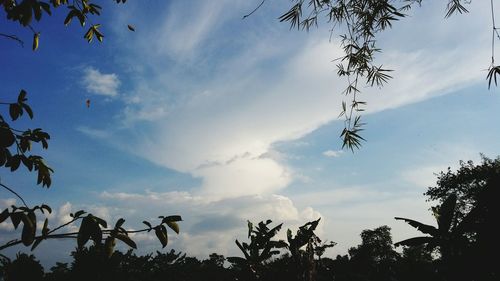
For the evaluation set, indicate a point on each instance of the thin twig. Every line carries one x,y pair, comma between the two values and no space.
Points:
254,10
73,235
15,193
493,35
13,37
63,225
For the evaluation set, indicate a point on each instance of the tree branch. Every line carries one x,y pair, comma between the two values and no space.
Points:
254,10
15,193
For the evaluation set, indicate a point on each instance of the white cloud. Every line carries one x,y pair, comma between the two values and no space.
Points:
208,225
99,83
332,153
198,126
7,202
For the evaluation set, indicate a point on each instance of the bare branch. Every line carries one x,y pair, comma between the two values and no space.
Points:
15,193
13,37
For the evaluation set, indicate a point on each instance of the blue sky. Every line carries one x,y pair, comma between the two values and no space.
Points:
220,120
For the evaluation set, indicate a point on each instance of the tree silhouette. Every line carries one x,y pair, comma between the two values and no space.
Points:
24,267
260,249
449,238
374,258
466,183
305,264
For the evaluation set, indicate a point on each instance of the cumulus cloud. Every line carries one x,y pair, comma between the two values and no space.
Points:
98,83
208,225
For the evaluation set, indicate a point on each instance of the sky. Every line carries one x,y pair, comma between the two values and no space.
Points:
222,120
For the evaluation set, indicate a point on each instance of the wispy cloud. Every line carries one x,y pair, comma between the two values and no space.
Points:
94,133
98,83
332,153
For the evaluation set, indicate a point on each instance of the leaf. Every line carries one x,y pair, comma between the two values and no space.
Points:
278,244
46,207
125,239
242,249
100,221
22,97
275,230
95,231
45,7
89,34
130,27
109,246
26,162
7,138
161,233
424,228
492,75
37,11
14,162
79,213
70,15
415,241
237,260
455,6
37,242
45,229
250,227
81,18
4,215
28,110
84,232
446,212
147,224
89,228
119,223
14,111
29,228
173,225
16,218
171,218
36,38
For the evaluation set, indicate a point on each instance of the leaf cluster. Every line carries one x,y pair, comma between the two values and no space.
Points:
15,145
27,217
91,228
23,11
261,247
362,20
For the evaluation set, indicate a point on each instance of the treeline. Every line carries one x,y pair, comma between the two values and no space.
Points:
462,247
374,259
